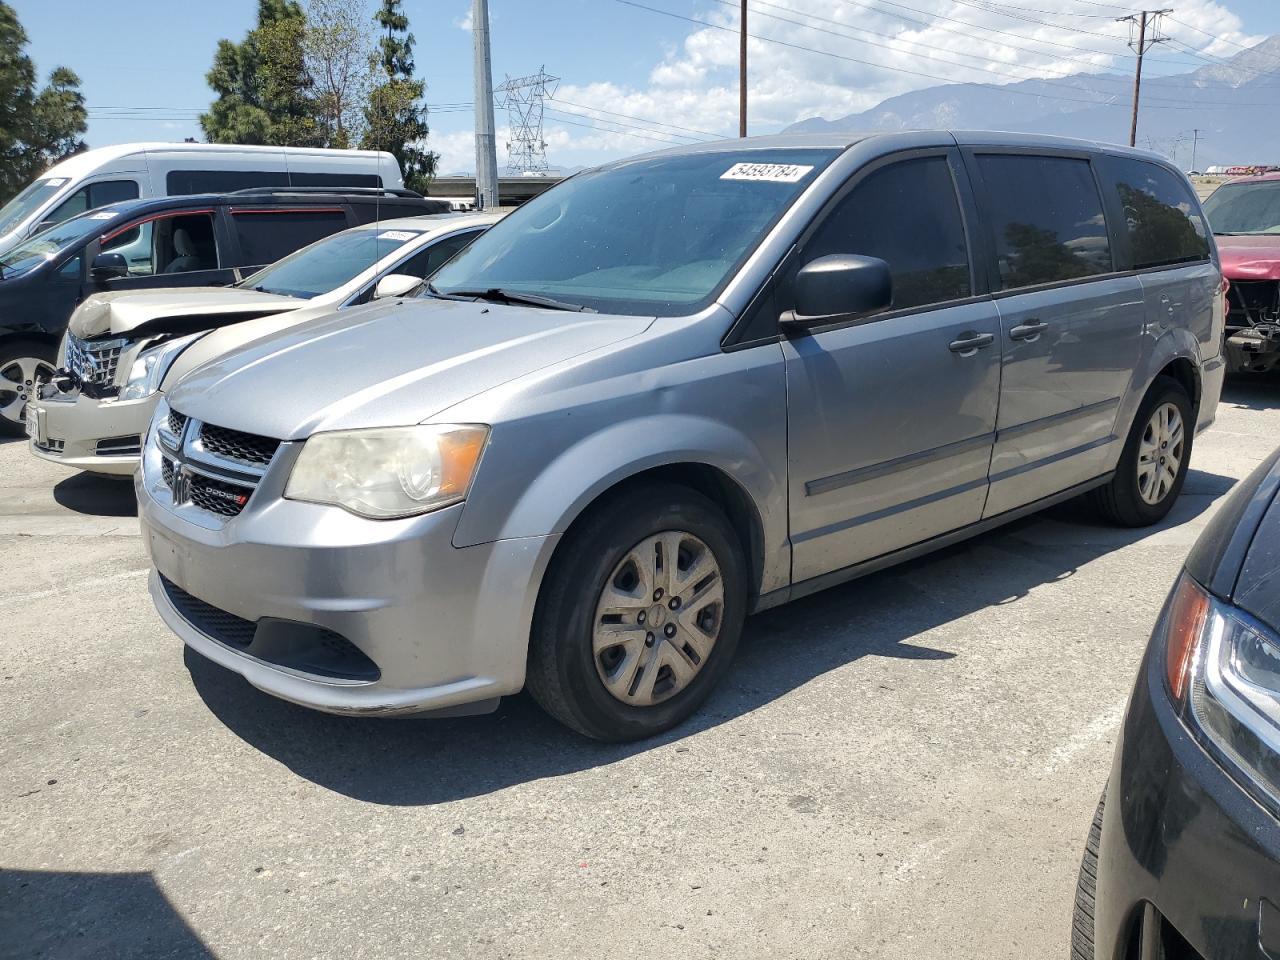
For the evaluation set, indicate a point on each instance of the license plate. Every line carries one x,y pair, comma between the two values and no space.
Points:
35,424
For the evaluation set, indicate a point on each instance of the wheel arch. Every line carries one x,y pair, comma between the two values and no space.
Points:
1175,355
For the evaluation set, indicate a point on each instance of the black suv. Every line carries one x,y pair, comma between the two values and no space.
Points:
185,241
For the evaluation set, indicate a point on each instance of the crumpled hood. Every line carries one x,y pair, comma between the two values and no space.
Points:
386,364
1249,258
173,310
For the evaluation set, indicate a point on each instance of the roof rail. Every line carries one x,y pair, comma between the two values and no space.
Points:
313,191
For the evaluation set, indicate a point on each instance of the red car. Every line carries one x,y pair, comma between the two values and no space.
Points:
1245,217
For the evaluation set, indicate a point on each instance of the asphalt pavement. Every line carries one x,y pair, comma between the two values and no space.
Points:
902,767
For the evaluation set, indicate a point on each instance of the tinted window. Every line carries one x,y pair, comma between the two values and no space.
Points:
655,236
1047,217
224,181
1161,216
369,211
908,215
92,196
267,235
426,262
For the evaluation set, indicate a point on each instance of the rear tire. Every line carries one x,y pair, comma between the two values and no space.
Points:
626,643
1157,454
1082,921
24,364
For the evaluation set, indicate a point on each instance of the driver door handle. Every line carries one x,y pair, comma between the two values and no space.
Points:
970,342
1028,331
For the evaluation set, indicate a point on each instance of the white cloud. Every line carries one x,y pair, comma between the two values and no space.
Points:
872,52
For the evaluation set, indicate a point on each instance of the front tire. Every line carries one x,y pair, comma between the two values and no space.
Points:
639,615
1082,919
1156,457
24,365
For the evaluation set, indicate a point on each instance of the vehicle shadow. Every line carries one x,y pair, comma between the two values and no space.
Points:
47,913
101,496
1254,391
414,762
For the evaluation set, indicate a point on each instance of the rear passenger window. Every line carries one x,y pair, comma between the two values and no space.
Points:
1047,218
267,235
1163,220
908,215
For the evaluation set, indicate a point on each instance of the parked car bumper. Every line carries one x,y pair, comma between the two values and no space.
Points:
436,627
1213,373
101,436
1179,834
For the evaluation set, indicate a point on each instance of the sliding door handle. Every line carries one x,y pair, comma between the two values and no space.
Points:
970,342
1028,331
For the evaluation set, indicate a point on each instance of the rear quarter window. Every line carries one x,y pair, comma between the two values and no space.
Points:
266,235
1162,218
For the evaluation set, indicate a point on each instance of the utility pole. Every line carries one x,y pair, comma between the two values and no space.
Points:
1140,20
742,74
1195,141
486,143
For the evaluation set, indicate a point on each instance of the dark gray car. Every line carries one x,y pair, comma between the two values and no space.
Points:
673,391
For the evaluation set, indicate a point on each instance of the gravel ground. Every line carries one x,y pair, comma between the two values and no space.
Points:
903,767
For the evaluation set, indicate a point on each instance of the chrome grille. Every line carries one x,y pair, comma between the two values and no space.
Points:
94,361
237,445
211,468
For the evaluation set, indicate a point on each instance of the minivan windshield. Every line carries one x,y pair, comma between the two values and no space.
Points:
28,201
49,243
329,263
1242,209
652,237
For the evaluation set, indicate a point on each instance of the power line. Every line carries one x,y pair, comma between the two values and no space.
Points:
658,123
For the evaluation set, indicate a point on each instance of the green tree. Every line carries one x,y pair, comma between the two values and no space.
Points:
395,116
264,92
37,127
339,51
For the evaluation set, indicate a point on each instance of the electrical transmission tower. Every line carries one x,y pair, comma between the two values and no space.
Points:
524,98
1144,33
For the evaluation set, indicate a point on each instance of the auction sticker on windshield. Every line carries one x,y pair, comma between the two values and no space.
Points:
767,172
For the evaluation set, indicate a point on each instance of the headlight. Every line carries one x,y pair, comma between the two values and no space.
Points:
1223,670
150,366
393,472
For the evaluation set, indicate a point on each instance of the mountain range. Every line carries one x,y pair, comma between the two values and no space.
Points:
1234,105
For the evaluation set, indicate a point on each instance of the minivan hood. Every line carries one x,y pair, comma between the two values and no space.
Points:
1250,258
386,364
173,310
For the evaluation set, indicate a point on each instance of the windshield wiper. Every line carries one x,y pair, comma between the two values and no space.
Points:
499,295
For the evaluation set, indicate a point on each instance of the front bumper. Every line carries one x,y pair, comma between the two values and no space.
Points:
446,627
79,431
1180,834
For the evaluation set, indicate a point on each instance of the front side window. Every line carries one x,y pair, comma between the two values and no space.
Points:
651,237
1245,209
93,195
1160,214
908,215
329,263
1047,217
266,235
163,245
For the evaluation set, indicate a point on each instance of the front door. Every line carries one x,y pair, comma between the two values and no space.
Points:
171,249
1071,329
891,419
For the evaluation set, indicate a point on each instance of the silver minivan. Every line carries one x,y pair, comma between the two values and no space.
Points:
674,391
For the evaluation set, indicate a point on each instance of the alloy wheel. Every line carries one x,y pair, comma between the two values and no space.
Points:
20,379
658,618
1160,453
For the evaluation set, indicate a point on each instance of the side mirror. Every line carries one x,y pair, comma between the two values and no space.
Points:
839,287
396,285
108,266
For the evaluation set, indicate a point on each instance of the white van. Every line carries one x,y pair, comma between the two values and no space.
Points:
132,170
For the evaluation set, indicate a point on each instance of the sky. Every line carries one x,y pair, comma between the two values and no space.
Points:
637,74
